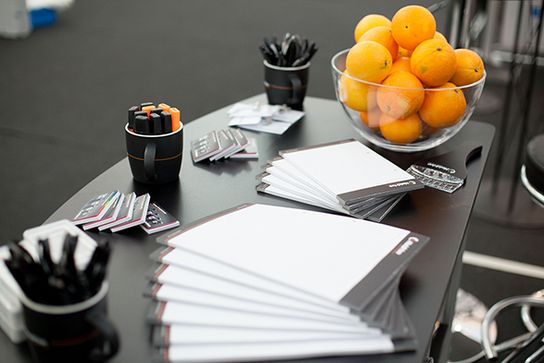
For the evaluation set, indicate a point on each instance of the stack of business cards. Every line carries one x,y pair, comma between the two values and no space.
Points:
345,177
223,144
116,211
272,119
263,283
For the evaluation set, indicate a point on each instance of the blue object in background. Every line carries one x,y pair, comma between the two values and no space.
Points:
40,18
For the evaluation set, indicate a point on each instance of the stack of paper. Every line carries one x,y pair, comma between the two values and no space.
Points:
272,119
344,176
260,282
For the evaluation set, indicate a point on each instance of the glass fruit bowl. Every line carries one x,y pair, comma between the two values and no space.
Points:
403,119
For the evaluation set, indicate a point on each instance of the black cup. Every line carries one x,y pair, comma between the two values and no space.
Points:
286,85
155,159
79,332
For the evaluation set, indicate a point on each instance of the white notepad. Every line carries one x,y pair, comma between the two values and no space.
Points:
268,282
320,255
315,252
350,171
272,351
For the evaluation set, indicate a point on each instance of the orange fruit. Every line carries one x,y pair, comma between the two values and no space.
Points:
401,64
382,35
433,62
428,130
356,95
403,52
368,22
411,25
443,107
440,36
401,131
371,118
369,61
470,67
403,97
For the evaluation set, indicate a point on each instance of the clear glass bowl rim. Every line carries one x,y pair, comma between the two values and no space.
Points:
333,61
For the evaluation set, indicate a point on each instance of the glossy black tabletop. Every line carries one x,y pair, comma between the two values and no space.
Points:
204,189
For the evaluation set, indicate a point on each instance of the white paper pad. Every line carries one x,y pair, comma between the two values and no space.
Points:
346,167
333,263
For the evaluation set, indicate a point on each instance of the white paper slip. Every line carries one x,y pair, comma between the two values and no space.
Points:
185,277
243,121
336,266
268,126
287,172
288,115
176,334
180,258
205,298
272,351
297,196
125,212
295,190
350,170
108,217
139,214
185,313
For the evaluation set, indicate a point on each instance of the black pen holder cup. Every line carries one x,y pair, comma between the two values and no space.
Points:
286,85
155,159
80,332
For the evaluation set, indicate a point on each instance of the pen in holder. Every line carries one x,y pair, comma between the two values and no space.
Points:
154,138
286,69
65,308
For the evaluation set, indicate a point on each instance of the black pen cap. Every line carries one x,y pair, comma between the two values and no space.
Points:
141,125
131,112
140,113
156,110
155,123
166,119
145,104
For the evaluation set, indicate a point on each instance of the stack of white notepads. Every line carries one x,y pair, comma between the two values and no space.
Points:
344,176
260,282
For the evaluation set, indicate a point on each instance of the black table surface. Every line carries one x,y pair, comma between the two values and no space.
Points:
204,189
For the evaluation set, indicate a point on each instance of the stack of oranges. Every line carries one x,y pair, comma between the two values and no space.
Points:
422,71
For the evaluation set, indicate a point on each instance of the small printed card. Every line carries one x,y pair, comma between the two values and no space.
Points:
158,220
223,144
95,209
139,214
125,212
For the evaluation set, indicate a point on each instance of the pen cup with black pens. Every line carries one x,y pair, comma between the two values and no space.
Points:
64,306
79,332
287,69
154,137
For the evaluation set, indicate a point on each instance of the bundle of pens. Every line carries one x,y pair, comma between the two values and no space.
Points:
148,119
61,283
292,51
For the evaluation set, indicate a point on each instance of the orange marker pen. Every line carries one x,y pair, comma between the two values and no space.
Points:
164,106
176,118
148,109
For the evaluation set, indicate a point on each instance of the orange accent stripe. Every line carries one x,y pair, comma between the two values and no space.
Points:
274,86
156,159
74,341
